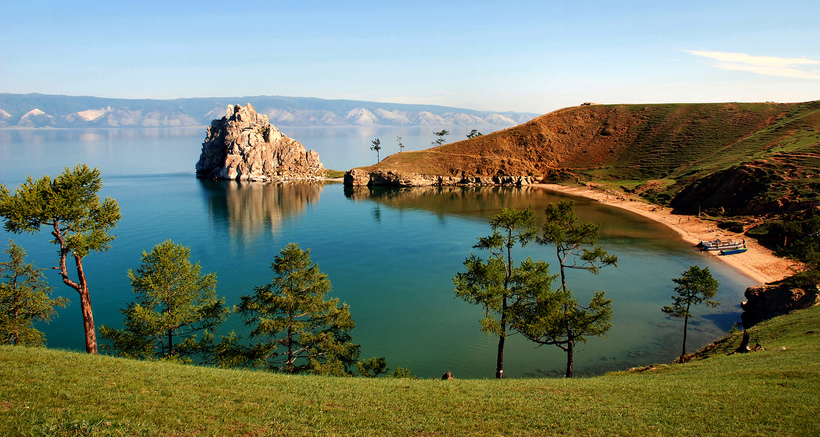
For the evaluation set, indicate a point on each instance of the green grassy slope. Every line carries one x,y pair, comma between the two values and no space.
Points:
774,392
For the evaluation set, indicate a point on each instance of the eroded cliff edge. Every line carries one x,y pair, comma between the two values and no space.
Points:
243,145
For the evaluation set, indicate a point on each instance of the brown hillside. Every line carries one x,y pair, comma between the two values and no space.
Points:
634,144
597,136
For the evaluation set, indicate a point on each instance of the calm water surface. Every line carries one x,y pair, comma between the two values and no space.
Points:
390,254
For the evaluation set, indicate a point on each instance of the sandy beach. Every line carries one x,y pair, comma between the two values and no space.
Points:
758,263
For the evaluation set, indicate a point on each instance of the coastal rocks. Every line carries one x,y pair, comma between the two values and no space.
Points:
766,301
243,145
359,178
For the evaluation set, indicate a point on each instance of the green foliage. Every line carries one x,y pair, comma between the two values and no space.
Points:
70,207
297,328
334,174
376,145
555,317
802,239
441,134
694,287
68,204
175,308
24,299
731,225
497,284
372,367
474,133
401,372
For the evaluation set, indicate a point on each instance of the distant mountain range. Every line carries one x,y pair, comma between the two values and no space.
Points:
43,110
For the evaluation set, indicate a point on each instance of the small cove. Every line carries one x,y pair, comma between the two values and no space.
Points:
389,253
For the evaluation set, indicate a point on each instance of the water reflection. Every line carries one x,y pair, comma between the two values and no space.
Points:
481,202
250,209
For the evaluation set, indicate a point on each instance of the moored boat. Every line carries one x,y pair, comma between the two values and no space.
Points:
733,251
721,244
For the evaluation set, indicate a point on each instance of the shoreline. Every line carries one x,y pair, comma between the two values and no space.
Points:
758,263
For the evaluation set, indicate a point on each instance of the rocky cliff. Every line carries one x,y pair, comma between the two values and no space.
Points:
243,145
766,301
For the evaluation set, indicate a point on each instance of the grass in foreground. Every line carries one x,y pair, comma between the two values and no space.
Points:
774,392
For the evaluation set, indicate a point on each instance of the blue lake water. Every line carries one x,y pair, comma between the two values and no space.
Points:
390,254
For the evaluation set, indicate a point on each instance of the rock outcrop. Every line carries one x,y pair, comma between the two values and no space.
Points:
766,301
359,178
243,145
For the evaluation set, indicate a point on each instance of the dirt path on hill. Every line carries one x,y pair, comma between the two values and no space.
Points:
758,263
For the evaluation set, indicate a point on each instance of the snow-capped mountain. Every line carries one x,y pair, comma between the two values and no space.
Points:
40,110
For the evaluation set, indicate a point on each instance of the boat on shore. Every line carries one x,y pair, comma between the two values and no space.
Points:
733,251
721,244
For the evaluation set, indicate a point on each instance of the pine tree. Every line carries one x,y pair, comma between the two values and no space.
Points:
497,284
694,287
557,318
80,223
175,308
296,328
24,299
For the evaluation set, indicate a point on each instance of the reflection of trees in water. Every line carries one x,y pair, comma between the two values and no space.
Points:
455,200
252,207
483,202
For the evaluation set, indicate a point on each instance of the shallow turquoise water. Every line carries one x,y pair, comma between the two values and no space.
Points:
390,254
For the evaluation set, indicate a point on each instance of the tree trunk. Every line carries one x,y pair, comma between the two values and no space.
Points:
289,365
685,326
499,362
81,287
683,349
88,321
570,358
85,307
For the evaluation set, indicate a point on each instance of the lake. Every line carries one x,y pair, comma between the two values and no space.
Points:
390,254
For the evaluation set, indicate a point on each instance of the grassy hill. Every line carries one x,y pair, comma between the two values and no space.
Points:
771,392
771,150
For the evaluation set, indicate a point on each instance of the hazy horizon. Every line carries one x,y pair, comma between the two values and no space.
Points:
518,56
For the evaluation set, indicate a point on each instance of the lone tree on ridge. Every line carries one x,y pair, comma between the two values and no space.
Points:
79,222
376,146
441,134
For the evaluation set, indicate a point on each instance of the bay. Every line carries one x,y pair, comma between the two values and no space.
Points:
390,254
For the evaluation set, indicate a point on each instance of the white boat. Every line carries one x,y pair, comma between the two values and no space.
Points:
721,244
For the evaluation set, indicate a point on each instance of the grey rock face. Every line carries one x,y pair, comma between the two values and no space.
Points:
243,145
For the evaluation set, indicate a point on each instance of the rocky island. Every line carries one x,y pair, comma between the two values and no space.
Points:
243,145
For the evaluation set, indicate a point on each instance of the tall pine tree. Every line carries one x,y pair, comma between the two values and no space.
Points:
497,284
80,224
296,327
175,308
557,318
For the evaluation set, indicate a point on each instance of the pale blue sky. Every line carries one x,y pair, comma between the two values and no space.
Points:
534,56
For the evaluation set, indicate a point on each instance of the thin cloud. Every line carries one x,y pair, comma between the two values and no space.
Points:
769,65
